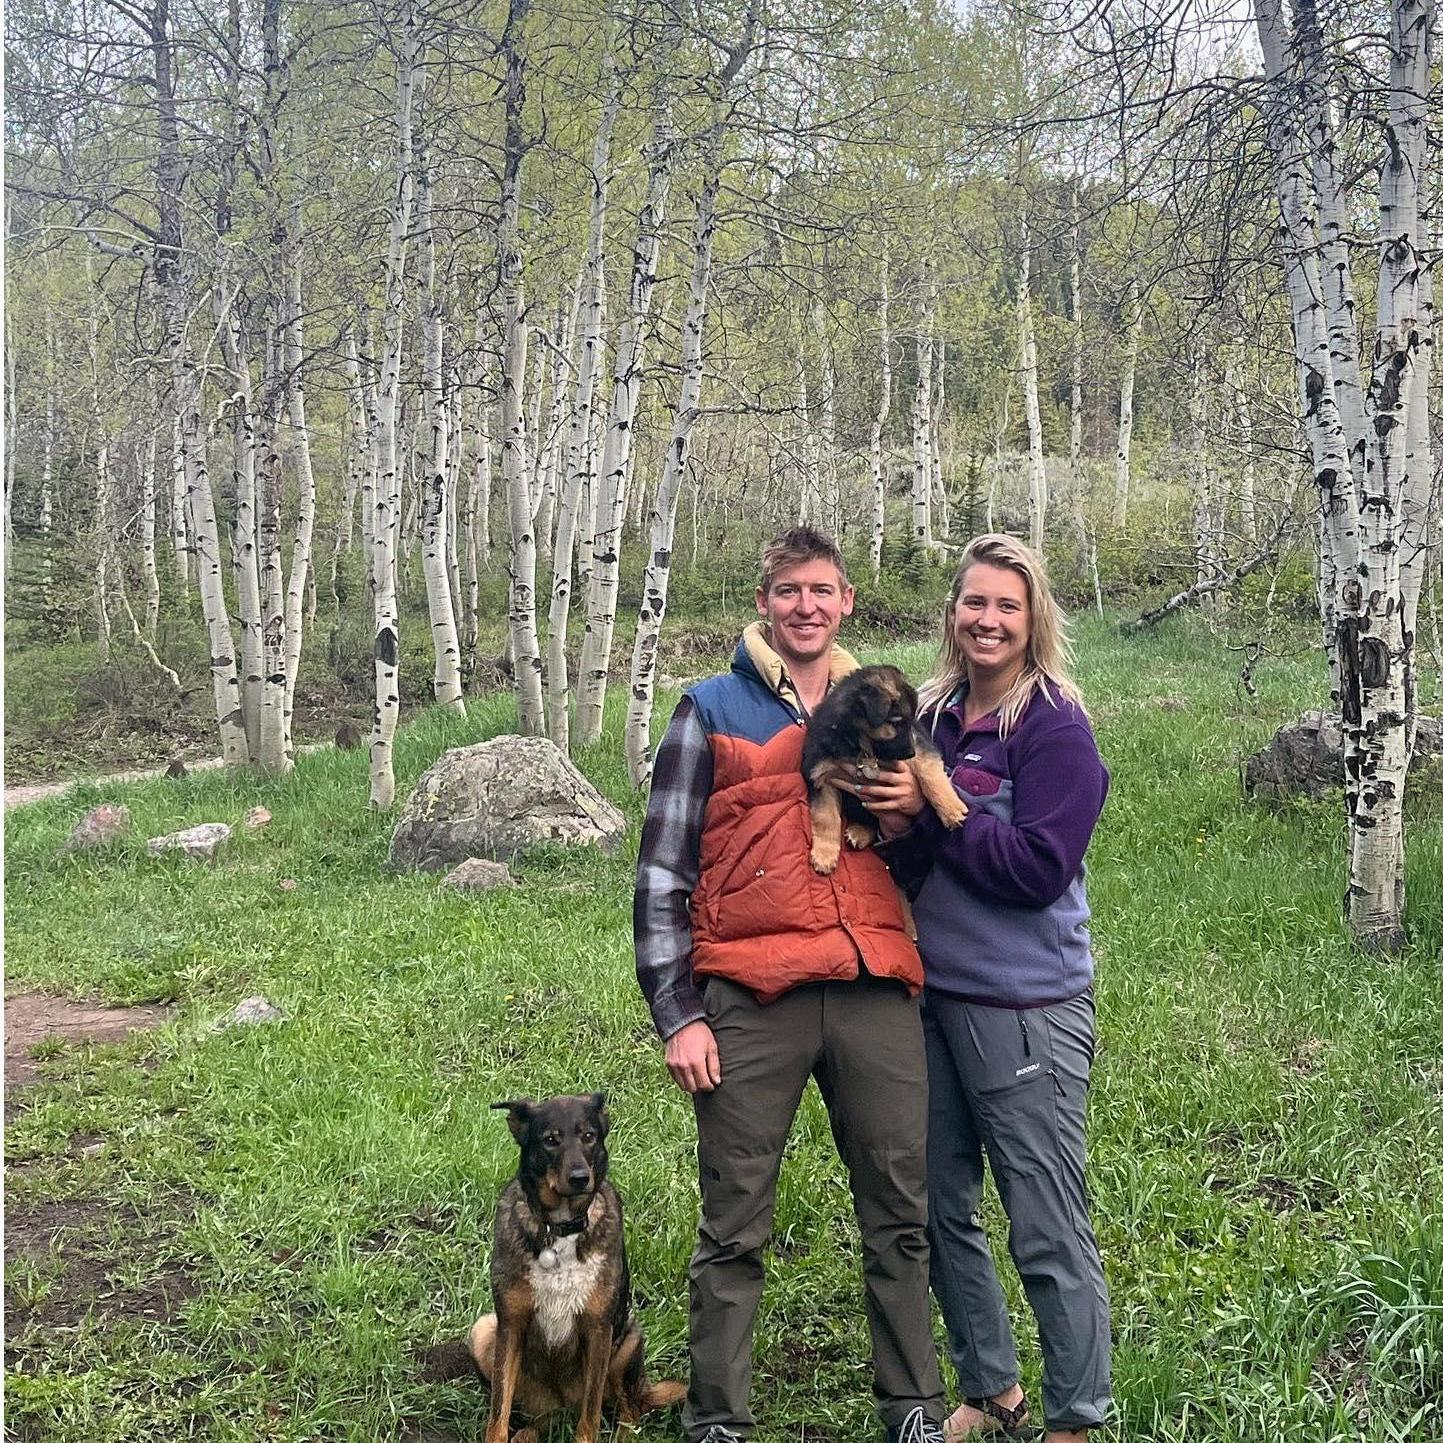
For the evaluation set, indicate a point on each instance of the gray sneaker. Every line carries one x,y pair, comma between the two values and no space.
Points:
717,1434
916,1427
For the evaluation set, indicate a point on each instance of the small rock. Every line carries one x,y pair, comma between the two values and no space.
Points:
256,818
476,874
177,769
348,736
251,1011
200,843
100,825
288,884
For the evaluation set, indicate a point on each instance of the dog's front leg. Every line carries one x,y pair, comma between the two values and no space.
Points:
826,824
512,1315
595,1362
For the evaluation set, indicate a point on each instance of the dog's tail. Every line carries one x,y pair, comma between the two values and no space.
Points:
661,1395
447,1361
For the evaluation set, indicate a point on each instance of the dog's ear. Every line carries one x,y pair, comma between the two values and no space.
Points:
603,1116
518,1118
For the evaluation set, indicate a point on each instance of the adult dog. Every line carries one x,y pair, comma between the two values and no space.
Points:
870,716
563,1334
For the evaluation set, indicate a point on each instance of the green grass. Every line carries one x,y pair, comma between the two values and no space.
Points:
1266,1127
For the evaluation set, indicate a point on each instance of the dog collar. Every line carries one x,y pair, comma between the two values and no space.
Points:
567,1229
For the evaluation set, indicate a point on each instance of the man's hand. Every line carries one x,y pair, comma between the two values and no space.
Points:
692,1058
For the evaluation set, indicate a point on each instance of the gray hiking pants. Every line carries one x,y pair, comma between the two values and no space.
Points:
1013,1084
862,1041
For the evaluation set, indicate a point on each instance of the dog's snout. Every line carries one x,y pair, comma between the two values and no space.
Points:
578,1177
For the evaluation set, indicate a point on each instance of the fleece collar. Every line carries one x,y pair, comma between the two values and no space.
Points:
756,645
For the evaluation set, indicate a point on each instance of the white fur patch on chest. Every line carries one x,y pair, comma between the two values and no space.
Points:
563,1291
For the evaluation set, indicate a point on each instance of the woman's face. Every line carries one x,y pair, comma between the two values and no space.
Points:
992,622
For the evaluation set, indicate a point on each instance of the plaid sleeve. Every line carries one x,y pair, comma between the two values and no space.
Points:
667,871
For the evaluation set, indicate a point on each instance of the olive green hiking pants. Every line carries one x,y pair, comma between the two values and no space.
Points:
862,1041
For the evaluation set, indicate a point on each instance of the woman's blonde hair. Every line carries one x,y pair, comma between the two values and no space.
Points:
1049,653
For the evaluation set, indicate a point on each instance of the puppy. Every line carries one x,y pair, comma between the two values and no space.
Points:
563,1334
870,716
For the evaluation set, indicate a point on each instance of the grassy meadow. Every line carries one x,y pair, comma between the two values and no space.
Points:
310,1202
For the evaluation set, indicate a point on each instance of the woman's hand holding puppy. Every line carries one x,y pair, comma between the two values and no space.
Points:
892,796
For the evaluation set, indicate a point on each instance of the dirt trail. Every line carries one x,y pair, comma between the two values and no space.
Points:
19,796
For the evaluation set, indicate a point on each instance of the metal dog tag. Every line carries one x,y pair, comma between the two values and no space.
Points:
548,1259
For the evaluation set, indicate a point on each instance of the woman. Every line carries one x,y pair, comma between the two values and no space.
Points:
1008,1012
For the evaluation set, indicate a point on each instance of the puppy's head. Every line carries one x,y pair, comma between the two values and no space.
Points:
890,706
563,1145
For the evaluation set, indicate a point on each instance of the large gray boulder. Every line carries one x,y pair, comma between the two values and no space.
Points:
497,798
1305,758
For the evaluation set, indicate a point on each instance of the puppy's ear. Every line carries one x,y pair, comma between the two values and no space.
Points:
907,695
599,1109
518,1118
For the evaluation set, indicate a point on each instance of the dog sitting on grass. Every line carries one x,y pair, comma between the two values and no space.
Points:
870,716
563,1334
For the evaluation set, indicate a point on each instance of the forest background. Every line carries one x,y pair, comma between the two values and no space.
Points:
370,358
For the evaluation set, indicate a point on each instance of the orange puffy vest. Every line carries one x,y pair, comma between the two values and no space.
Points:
760,915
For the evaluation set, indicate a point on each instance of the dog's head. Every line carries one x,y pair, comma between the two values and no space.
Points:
563,1145
886,708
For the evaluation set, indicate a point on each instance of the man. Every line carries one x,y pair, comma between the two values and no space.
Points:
761,973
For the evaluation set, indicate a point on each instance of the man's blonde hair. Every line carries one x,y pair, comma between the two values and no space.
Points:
1047,665
796,545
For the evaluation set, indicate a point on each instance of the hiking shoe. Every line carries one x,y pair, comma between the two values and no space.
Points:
717,1434
916,1427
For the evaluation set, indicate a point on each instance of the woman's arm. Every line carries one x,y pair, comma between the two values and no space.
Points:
1058,787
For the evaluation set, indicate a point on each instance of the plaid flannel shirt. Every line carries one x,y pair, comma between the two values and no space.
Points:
668,869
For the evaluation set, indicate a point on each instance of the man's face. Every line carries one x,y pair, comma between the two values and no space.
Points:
804,609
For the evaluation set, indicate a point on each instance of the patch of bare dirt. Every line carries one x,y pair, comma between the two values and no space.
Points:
69,1260
32,1018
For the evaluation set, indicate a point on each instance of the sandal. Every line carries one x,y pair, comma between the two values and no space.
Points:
998,1422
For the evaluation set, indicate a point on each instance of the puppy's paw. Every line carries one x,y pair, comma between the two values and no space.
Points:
825,857
859,835
952,815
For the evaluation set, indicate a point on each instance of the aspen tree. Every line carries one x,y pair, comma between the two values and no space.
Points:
1132,333
1373,483
922,414
688,406
879,421
616,459
1027,340
525,647
436,503
386,485
579,460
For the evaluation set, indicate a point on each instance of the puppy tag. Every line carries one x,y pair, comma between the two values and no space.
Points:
548,1259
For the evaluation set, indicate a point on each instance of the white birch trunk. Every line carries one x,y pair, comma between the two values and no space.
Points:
580,458
1132,335
272,757
525,648
1036,463
663,510
172,285
179,516
616,457
879,422
384,528
1367,482
145,465
941,506
688,406
301,579
436,491
1237,387
827,478
1074,434
922,420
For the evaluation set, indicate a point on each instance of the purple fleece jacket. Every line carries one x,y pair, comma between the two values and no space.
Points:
1000,903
